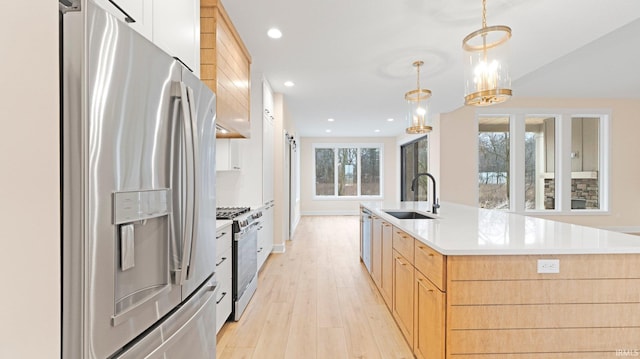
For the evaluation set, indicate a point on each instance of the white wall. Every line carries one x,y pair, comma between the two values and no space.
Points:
30,184
459,156
311,206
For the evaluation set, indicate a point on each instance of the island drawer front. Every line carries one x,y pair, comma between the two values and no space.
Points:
540,316
503,343
562,291
580,355
524,267
500,307
403,243
431,264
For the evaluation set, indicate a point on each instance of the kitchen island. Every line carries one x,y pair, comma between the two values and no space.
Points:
476,283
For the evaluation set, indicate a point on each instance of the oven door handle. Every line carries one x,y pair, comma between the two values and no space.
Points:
253,227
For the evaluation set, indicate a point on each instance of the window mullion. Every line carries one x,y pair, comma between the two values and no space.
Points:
358,168
563,170
517,162
416,170
335,171
604,157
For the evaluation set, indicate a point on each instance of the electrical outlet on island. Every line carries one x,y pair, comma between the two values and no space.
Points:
548,266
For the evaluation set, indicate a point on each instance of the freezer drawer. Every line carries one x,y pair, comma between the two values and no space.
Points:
189,332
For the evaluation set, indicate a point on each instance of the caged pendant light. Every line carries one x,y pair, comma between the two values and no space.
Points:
418,106
487,79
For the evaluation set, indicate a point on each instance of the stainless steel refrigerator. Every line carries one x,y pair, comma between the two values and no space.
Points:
138,225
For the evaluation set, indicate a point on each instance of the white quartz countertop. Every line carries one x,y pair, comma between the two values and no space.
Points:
221,223
466,230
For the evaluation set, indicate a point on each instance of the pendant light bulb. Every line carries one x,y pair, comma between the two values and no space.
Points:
417,101
487,79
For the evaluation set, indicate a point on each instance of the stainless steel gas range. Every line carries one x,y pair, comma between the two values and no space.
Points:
245,254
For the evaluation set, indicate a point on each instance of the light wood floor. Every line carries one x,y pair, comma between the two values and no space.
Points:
315,301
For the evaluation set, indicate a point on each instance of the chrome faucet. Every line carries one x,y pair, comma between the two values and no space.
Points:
436,205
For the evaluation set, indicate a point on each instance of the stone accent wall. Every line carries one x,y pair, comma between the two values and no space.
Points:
584,193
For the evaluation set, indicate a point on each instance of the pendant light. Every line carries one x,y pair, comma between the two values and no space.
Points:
418,107
487,79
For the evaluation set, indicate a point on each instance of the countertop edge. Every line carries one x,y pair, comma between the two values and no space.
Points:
406,225
221,223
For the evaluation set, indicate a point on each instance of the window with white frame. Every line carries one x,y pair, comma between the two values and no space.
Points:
347,171
551,163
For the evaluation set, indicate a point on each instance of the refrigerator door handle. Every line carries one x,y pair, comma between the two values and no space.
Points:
188,215
195,177
188,104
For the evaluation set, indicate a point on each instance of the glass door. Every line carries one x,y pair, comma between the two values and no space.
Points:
414,159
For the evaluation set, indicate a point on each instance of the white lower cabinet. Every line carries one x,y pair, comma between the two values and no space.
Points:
265,234
224,273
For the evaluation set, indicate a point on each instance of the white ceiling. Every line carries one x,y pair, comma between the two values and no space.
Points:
351,59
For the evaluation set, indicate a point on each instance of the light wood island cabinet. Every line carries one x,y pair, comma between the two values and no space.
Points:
429,317
382,258
376,250
403,283
503,306
386,287
430,299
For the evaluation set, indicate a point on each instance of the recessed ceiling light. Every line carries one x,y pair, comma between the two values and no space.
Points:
376,130
274,33
330,120
390,120
327,131
289,83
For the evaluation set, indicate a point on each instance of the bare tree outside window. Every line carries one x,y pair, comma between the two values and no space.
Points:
353,171
347,171
325,168
370,175
539,184
530,170
493,163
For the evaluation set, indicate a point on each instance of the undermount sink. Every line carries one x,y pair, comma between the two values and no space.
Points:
408,215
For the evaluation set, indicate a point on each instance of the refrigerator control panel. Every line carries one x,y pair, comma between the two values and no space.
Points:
139,205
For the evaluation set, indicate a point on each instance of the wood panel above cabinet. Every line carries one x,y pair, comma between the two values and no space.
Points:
225,68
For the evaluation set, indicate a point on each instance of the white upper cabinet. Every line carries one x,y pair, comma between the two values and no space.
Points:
268,152
137,13
267,160
172,25
176,29
267,101
142,13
